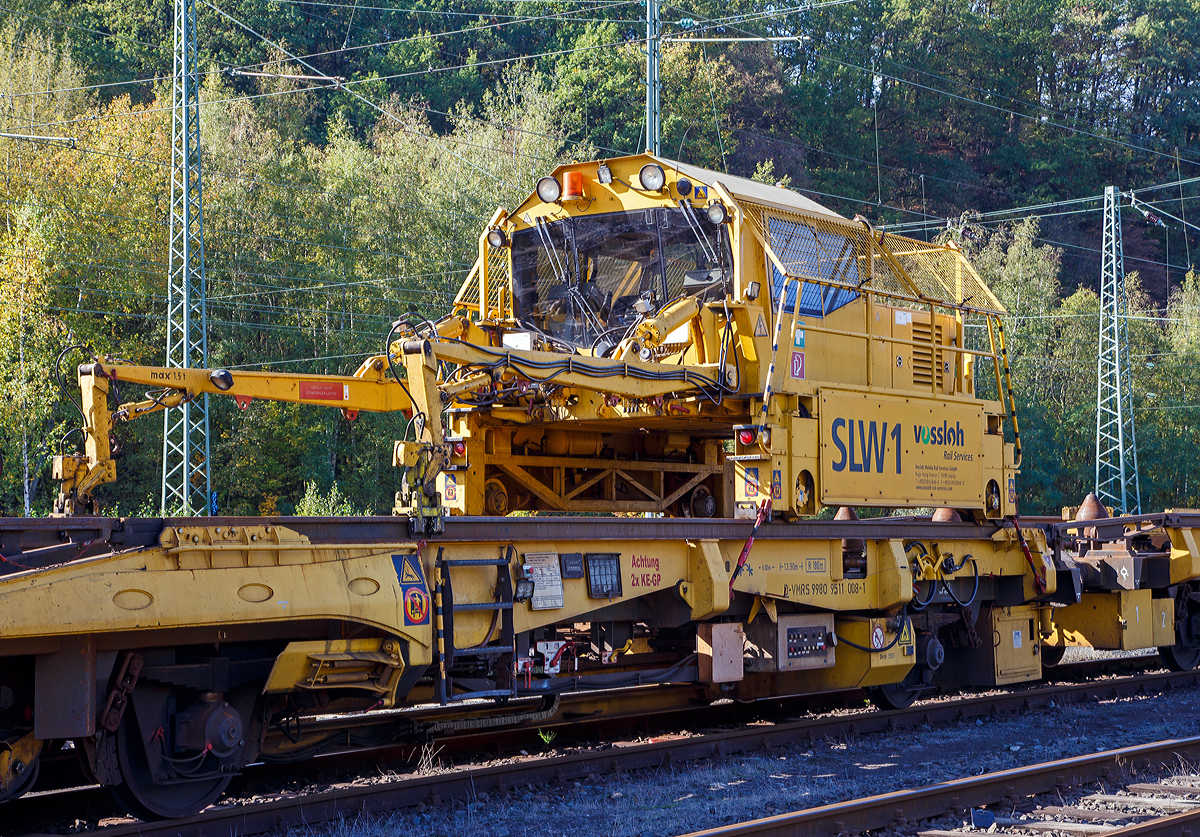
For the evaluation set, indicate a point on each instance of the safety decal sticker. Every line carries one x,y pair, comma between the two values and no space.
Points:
798,365
416,606
776,485
751,486
906,636
877,637
451,487
414,598
798,336
760,330
701,193
408,569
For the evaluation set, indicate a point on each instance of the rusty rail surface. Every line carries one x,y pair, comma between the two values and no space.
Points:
910,806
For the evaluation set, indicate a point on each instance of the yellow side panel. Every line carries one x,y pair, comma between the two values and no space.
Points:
855,667
1185,555
1122,620
1015,639
1164,622
144,590
882,450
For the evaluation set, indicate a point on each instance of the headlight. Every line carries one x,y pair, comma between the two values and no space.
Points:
652,177
222,379
497,238
548,190
683,186
717,213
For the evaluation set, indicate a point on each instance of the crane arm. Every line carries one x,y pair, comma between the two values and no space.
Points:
369,389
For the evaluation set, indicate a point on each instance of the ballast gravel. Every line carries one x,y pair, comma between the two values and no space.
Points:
703,794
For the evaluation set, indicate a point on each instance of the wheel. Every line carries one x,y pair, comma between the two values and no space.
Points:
1180,658
893,696
178,785
1184,655
1052,655
24,783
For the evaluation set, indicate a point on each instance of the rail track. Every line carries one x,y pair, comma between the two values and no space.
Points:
1162,809
350,800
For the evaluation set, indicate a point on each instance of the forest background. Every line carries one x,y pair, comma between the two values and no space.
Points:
327,215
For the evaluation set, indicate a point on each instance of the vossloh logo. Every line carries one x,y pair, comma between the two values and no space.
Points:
944,435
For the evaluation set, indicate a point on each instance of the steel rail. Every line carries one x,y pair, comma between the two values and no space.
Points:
36,543
31,543
351,801
1173,825
910,806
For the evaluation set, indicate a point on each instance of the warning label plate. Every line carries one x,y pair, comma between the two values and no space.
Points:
324,391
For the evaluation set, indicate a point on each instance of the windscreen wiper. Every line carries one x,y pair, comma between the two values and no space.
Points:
689,215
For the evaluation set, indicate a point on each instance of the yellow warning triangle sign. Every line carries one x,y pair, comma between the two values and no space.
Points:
906,634
760,330
410,575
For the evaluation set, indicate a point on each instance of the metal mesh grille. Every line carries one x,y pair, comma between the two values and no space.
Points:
468,294
842,254
942,273
498,282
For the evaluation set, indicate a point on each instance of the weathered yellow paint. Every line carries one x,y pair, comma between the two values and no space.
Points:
211,584
1015,642
372,665
856,667
708,582
1164,622
1121,620
804,571
1185,555
17,756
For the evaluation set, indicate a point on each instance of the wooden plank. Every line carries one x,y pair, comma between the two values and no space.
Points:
1092,814
1143,802
1055,826
1174,790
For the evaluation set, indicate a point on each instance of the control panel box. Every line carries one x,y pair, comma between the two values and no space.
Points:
796,642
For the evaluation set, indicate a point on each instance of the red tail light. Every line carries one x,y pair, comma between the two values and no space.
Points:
460,449
747,437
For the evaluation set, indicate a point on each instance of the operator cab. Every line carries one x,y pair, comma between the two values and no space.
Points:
582,282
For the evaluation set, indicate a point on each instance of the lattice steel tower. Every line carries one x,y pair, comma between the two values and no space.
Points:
186,483
1117,483
653,83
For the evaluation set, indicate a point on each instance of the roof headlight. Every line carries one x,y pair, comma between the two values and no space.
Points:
652,177
549,190
497,238
717,213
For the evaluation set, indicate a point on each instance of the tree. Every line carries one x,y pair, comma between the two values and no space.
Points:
29,338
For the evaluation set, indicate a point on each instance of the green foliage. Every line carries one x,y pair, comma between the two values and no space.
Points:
326,218
332,503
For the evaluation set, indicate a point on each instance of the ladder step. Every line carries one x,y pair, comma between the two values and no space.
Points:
484,649
471,695
474,562
484,606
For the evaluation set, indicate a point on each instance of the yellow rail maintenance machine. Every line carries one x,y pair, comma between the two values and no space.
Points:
727,359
